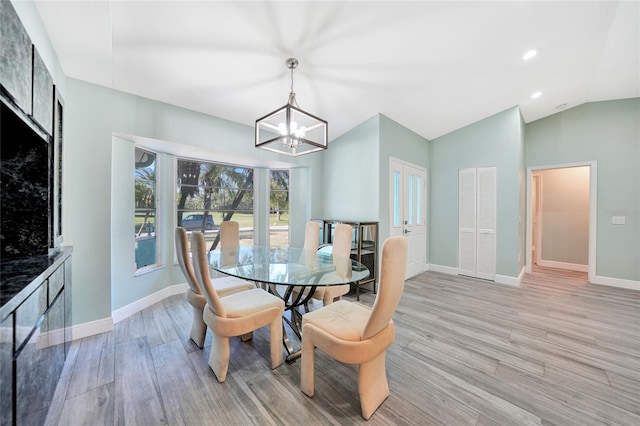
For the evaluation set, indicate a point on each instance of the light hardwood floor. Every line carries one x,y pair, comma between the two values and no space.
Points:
467,352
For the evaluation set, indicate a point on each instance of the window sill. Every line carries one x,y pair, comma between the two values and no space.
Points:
147,269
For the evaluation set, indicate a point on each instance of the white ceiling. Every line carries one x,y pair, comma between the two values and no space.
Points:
431,66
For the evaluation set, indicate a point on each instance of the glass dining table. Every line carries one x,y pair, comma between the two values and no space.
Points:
291,273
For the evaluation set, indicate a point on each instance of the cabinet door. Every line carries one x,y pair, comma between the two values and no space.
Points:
42,104
6,370
38,367
68,337
15,57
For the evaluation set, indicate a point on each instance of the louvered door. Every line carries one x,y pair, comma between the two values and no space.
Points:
467,222
486,236
477,222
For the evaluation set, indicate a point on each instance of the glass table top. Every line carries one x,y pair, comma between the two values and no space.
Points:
287,266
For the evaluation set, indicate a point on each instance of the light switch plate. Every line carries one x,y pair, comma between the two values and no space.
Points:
617,220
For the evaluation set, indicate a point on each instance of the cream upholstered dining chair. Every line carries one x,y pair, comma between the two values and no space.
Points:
341,260
224,286
237,314
229,239
311,237
355,334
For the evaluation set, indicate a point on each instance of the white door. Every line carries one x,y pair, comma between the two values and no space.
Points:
467,222
408,197
477,222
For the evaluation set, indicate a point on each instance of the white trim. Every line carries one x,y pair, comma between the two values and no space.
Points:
538,213
563,265
512,281
593,211
92,328
444,269
140,304
616,282
499,279
104,325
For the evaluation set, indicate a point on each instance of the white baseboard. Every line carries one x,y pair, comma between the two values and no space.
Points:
91,328
444,269
104,325
500,279
617,282
140,304
563,265
512,281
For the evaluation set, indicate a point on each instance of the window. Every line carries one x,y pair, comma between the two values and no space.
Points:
209,193
396,198
146,245
279,208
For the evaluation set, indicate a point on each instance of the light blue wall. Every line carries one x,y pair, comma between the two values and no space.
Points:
494,141
98,201
351,174
609,133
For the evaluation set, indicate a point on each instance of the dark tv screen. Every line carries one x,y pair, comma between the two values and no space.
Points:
24,188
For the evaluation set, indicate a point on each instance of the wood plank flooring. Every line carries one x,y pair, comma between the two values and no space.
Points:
555,351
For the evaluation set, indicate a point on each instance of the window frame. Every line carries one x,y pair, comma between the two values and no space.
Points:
212,211
157,212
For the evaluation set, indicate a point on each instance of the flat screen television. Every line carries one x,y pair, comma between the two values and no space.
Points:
25,186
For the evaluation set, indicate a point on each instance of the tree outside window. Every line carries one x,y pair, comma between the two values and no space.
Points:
209,193
279,208
146,252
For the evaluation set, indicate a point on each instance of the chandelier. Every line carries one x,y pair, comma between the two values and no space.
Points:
290,130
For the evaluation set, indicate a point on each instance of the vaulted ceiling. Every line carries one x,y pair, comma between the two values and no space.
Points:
431,66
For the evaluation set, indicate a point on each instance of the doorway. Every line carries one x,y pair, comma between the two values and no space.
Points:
408,217
561,217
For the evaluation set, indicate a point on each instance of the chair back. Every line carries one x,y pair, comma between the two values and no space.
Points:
184,261
201,269
392,273
229,234
311,237
229,240
342,249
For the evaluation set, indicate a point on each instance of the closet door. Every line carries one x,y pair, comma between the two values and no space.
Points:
477,222
486,218
467,222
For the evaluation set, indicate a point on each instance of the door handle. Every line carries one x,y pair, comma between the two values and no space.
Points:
406,231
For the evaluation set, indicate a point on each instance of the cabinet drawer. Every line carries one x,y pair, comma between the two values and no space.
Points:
56,282
29,312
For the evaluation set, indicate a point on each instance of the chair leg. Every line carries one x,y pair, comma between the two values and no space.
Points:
372,385
246,337
275,341
307,373
219,358
198,328
327,299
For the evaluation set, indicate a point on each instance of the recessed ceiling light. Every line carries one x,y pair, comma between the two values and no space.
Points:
536,95
530,54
